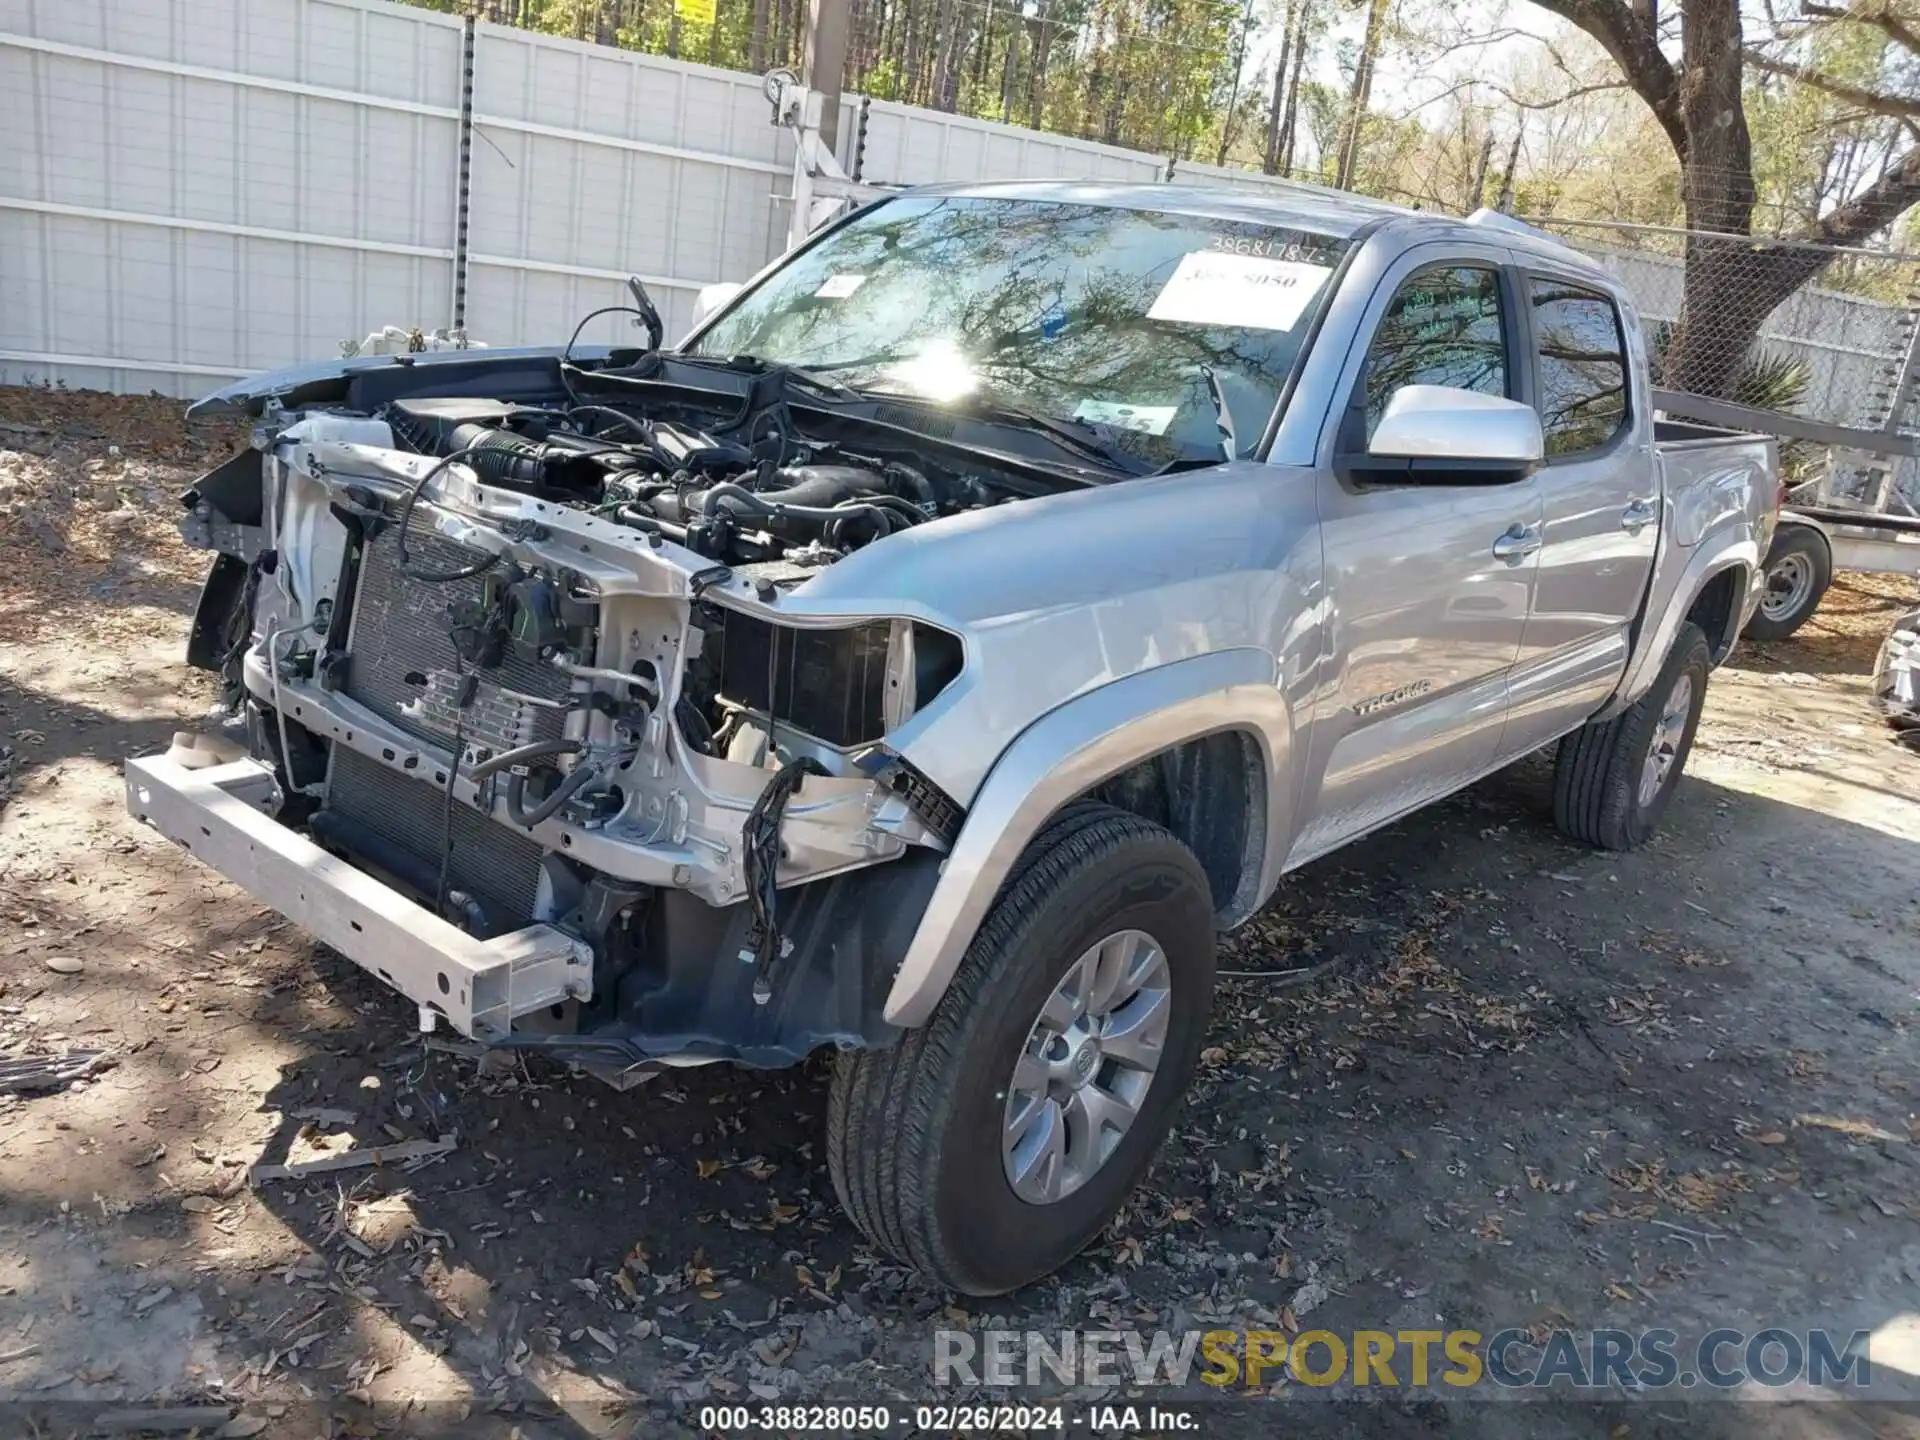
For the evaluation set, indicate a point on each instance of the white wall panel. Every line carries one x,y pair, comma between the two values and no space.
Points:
909,146
196,189
590,164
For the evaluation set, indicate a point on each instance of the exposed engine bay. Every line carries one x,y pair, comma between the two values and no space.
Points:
528,661
774,498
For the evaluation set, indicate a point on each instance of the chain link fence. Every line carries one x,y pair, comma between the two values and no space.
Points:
1833,349
1824,333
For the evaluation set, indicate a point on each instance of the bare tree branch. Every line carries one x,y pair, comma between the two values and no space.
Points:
1469,42
1557,101
1879,15
1633,40
1871,101
1451,90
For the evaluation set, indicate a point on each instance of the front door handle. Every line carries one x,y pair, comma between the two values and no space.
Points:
1517,543
1639,514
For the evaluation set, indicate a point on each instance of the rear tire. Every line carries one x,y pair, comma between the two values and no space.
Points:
1612,779
918,1135
1798,571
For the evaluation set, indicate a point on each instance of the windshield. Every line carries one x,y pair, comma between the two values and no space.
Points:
1126,323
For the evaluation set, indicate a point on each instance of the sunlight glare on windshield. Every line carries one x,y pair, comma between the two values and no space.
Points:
939,372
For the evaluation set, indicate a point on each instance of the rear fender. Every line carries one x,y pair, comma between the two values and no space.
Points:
1670,603
1068,752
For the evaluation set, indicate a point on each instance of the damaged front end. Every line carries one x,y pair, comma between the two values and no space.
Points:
566,772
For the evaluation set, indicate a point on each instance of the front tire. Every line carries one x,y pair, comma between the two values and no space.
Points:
988,1147
1798,571
1612,779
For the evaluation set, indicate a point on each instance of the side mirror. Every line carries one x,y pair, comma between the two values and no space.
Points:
1440,435
711,299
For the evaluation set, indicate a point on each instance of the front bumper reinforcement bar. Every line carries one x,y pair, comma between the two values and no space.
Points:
479,986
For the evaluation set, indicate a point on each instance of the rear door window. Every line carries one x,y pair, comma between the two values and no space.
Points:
1583,367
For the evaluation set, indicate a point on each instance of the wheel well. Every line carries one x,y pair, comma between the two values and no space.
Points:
1211,792
1716,609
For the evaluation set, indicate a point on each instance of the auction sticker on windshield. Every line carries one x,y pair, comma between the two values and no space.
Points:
1147,419
1239,292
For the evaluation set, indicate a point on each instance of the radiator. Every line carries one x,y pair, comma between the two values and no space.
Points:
498,866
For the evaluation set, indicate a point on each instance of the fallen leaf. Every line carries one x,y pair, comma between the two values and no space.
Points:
1772,1137
707,1168
1856,1129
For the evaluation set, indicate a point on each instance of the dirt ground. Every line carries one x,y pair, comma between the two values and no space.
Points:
1546,1087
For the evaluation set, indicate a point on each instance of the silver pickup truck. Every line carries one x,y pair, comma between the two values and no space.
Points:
987,604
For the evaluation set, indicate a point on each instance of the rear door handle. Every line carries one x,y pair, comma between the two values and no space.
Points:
1639,514
1517,543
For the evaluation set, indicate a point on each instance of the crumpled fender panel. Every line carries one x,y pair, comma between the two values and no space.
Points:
688,995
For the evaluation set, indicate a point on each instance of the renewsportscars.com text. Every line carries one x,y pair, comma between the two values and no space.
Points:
1655,1359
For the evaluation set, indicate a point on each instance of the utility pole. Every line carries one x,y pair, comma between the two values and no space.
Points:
824,61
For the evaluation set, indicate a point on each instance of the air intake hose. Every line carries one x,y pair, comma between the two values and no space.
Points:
500,457
800,488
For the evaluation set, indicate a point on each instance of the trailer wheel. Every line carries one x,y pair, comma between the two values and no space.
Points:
1612,779
1799,569
989,1146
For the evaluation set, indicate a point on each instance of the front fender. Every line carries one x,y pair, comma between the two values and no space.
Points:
1066,753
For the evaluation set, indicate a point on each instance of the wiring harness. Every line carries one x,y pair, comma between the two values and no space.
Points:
761,835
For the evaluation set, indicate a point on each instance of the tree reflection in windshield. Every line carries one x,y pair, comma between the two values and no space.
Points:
1046,306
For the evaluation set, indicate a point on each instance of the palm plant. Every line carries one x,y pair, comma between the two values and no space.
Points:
1766,380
